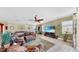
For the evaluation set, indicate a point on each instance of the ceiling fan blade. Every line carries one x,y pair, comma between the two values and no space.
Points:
41,19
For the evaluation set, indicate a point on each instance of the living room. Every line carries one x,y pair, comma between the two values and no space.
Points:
36,29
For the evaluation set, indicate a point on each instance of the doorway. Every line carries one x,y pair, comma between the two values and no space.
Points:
1,28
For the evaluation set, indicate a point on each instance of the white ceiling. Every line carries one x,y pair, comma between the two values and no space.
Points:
23,14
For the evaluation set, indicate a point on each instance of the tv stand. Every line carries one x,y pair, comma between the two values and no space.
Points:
50,34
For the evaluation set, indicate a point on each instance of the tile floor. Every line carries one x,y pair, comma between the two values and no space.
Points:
59,45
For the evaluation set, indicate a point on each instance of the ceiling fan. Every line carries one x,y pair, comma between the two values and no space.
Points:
36,19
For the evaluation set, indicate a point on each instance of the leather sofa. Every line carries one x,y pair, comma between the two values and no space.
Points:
26,36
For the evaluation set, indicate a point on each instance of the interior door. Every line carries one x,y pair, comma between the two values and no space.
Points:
1,28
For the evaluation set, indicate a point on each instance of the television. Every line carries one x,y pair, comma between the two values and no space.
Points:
49,28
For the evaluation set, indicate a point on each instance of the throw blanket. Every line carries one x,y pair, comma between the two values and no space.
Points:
6,38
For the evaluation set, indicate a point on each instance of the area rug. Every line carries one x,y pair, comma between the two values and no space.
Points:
47,45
